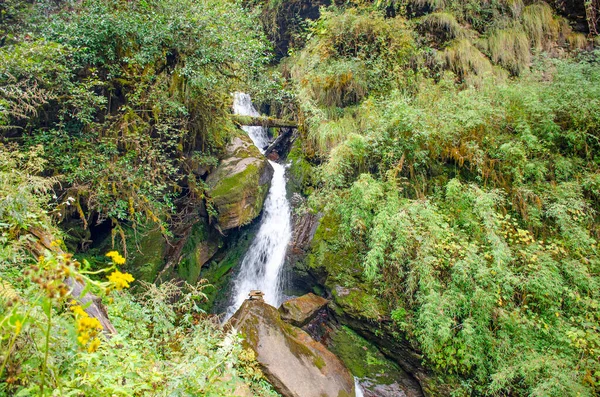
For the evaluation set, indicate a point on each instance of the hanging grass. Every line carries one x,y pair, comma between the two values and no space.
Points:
515,6
465,60
577,41
540,24
433,4
337,83
329,134
443,25
510,49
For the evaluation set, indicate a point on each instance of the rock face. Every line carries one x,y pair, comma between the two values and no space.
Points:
239,185
202,243
300,311
294,363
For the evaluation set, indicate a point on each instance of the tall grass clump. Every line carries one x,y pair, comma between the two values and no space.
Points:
443,25
465,60
432,4
540,24
510,48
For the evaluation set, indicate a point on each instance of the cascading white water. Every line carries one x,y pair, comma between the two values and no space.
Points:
357,388
242,105
261,266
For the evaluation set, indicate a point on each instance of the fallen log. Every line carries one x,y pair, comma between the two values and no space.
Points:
281,144
266,122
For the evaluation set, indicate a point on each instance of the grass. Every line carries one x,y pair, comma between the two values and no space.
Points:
444,25
510,48
540,24
465,60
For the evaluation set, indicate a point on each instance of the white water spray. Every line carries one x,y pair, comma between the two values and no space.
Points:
358,389
261,266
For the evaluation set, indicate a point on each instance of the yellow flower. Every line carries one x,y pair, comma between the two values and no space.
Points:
78,310
116,257
94,344
87,327
120,280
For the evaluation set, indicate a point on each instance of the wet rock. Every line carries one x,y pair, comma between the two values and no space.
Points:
240,183
294,363
372,389
281,146
201,244
300,311
379,376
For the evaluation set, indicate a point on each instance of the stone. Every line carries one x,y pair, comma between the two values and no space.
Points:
294,363
200,246
239,185
300,311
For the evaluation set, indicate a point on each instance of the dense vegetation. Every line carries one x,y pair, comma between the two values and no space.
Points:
106,109
460,203
452,147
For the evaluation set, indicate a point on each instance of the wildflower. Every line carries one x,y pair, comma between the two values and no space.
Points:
120,280
87,328
116,257
93,346
18,326
78,311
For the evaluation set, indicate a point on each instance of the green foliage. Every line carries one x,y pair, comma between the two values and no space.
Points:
350,55
162,348
122,93
464,214
165,345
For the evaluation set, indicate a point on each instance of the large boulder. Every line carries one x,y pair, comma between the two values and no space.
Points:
299,311
239,185
294,363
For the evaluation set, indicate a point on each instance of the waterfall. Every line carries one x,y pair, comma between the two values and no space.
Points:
261,266
357,388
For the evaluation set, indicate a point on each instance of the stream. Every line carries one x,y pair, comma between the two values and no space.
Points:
261,266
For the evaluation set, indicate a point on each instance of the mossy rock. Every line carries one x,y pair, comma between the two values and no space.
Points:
202,243
358,302
219,270
378,375
239,185
300,171
299,311
294,363
146,248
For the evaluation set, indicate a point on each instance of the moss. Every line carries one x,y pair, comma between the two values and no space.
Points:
148,256
359,301
342,265
145,250
362,358
218,272
200,246
300,174
235,185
